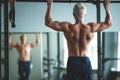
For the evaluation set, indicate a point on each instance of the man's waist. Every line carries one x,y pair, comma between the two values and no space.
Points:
82,54
78,59
24,61
23,58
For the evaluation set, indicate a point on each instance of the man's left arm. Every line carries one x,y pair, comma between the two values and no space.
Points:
100,26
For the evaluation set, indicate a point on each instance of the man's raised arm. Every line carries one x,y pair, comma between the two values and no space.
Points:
97,27
37,42
37,38
48,18
13,44
56,25
108,19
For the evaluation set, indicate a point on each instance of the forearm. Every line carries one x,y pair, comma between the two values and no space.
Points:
37,38
48,18
10,39
108,19
11,43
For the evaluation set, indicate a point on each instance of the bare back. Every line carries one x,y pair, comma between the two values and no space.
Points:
79,35
24,51
78,38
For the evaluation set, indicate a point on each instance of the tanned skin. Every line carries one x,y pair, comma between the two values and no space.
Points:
79,34
24,48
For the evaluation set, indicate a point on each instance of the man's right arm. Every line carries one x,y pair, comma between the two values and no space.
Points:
56,25
13,44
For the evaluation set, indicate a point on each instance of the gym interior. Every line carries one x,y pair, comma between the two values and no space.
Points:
49,59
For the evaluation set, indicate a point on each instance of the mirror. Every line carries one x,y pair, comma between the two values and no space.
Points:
16,66
52,49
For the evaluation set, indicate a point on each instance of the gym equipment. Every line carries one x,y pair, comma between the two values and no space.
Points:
70,1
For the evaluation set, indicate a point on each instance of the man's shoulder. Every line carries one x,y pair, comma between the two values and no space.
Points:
66,23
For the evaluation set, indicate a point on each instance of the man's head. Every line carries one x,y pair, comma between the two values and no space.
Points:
79,10
23,38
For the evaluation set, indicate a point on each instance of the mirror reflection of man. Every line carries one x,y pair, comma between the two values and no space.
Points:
24,50
78,36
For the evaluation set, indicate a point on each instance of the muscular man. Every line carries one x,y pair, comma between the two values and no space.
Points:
24,50
78,36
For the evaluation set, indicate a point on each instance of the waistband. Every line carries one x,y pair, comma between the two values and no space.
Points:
23,61
78,58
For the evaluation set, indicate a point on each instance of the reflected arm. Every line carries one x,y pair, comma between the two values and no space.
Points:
13,44
37,42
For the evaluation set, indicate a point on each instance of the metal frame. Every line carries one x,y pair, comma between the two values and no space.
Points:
48,55
6,50
58,56
99,43
0,39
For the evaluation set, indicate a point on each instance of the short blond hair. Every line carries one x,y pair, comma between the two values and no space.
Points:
23,36
79,10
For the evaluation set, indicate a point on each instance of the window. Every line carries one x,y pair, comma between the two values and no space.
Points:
92,52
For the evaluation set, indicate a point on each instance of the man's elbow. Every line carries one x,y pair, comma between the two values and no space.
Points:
48,24
110,23
37,42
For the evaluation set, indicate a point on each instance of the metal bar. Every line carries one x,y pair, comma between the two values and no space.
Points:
99,35
0,39
62,1
48,56
103,49
58,56
109,59
6,50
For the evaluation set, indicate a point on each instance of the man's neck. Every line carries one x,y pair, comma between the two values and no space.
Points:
79,21
23,42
